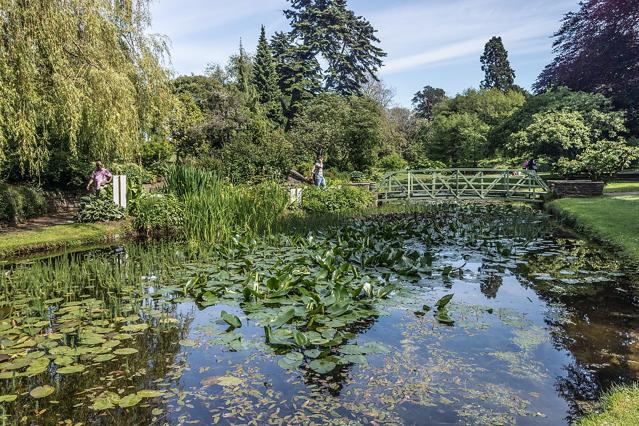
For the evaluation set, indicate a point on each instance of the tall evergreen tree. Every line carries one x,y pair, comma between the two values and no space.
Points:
242,69
425,100
266,80
298,70
495,64
347,42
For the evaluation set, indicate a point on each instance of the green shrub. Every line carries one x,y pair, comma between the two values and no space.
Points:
158,213
18,203
391,162
134,172
358,176
336,199
98,209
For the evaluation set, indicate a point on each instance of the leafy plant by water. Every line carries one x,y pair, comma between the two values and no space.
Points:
217,211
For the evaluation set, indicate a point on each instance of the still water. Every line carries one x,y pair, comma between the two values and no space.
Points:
538,325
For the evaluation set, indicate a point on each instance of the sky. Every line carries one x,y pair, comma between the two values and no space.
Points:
428,42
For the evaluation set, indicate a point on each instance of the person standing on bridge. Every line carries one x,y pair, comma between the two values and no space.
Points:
318,172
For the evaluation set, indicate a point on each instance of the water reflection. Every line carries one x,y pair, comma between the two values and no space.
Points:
542,325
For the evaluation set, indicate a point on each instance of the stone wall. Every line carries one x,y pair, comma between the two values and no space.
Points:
575,188
62,202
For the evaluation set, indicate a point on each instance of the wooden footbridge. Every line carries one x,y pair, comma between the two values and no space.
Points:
461,184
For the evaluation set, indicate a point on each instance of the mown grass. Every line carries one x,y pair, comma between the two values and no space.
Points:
615,187
620,407
611,220
16,243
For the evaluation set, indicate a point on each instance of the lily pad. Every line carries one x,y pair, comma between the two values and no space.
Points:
8,398
125,351
129,400
147,393
72,369
230,381
231,319
42,391
188,343
322,366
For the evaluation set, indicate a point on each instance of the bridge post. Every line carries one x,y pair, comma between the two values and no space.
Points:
410,184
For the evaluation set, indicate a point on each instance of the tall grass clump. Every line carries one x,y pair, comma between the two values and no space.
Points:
216,211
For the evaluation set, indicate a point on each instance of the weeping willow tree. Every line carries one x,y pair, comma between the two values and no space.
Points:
79,79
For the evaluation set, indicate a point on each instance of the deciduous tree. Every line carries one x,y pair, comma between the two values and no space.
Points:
597,50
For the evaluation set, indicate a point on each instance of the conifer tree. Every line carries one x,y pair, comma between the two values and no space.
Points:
298,70
266,80
496,66
426,99
347,42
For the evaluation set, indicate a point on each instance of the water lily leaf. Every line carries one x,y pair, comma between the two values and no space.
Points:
312,353
105,401
443,318
352,349
189,343
125,351
375,348
322,366
42,391
231,319
222,381
444,301
104,358
147,393
289,364
300,338
72,369
283,318
352,359
129,400
8,398
135,327
92,340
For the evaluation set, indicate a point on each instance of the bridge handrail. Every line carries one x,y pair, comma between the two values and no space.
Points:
468,169
472,179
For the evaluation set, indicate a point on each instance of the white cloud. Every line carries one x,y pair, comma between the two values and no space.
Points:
428,33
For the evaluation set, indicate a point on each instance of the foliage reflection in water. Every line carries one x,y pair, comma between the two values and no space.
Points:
468,314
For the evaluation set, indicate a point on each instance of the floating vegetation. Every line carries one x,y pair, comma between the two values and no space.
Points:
452,314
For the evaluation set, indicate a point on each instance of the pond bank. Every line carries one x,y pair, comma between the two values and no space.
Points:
621,407
23,242
613,221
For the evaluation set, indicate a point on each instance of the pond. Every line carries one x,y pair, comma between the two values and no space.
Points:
470,314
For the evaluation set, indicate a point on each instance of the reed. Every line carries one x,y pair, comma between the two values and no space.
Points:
217,211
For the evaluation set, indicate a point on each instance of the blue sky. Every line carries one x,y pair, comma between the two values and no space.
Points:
435,42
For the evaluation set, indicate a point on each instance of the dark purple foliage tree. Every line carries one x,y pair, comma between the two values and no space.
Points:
597,50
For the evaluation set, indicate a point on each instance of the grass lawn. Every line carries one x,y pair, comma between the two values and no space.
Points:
61,236
620,407
621,187
611,220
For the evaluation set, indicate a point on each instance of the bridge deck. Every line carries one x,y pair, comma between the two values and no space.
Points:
462,184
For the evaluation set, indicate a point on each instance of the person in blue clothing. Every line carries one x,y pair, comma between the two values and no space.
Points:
318,172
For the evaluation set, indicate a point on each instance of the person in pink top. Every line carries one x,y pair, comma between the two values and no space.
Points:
99,177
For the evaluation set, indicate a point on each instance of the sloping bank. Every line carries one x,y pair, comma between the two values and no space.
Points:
23,242
612,221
